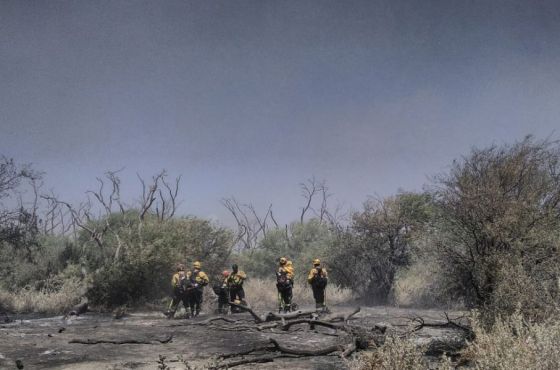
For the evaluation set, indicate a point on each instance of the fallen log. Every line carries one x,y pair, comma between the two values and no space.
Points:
288,316
305,352
258,319
271,316
350,348
167,339
312,323
254,360
78,309
212,319
343,318
449,323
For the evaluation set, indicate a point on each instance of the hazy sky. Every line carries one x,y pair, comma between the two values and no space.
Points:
249,98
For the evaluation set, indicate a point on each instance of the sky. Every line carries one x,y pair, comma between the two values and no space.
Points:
250,98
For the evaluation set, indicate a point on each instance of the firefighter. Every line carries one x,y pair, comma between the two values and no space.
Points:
222,291
178,283
196,281
235,284
284,284
318,279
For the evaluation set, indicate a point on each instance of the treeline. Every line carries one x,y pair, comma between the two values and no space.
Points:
486,234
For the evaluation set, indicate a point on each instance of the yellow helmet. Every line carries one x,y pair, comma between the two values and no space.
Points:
197,265
283,260
316,262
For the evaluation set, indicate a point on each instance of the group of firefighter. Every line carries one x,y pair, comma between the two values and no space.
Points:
188,288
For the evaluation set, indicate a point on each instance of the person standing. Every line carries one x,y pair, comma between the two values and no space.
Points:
197,280
284,284
235,284
222,291
178,284
318,280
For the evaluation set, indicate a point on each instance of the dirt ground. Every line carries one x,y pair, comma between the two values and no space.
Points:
45,343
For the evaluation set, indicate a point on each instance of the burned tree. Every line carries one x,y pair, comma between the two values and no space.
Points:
251,227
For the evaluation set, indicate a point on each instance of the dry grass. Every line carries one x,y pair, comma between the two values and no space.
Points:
423,285
514,344
43,301
395,354
262,294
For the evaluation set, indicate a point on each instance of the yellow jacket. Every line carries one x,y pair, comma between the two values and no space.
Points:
201,278
236,280
176,279
288,268
313,273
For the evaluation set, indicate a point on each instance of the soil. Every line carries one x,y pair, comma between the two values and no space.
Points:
45,343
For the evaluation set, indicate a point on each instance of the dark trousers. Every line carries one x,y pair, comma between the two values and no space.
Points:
319,296
285,298
223,302
237,293
194,298
178,297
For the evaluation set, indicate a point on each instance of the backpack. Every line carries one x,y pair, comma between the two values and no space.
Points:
282,281
185,284
188,284
219,289
319,281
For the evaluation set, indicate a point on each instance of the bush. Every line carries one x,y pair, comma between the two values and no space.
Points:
41,262
46,300
138,265
497,234
515,344
367,256
394,354
301,243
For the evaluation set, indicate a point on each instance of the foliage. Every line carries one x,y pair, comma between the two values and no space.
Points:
32,268
300,242
367,255
498,231
138,258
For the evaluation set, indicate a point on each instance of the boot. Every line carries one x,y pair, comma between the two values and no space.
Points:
169,314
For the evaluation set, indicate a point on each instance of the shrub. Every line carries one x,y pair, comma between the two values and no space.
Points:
498,231
515,344
394,354
301,242
367,256
46,300
139,263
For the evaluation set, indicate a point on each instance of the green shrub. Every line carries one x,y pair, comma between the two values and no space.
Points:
147,255
301,243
